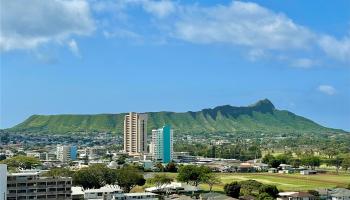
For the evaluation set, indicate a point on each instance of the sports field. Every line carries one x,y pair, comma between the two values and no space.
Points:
287,182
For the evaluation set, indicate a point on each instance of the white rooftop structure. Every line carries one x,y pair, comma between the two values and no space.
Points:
105,192
77,191
175,186
138,196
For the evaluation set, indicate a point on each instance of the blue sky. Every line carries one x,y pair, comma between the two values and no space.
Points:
141,55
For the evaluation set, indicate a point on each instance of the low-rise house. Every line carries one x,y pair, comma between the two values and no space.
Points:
285,166
261,166
323,194
273,170
137,196
340,194
308,172
246,167
147,164
295,196
286,171
178,197
214,196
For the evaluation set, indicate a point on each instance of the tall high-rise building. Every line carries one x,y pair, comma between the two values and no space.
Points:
66,153
162,144
135,133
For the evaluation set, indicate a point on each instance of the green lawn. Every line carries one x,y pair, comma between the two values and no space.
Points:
287,182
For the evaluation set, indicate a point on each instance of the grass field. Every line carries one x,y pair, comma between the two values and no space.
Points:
284,182
287,182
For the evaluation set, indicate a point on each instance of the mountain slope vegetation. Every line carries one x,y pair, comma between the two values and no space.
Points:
261,117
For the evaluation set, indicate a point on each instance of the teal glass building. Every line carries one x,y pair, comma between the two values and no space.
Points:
162,144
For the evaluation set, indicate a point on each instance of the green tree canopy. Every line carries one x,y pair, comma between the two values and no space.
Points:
210,179
310,161
265,196
250,187
94,176
192,174
55,172
171,167
129,177
22,162
232,189
346,163
271,190
160,180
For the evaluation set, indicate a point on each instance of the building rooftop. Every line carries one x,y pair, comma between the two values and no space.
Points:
140,194
340,192
107,188
77,191
24,174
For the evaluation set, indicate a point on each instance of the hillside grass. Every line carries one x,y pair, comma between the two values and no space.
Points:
224,119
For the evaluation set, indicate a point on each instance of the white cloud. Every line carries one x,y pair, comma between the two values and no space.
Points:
264,32
28,25
327,89
256,54
73,47
159,8
261,32
122,33
242,23
304,63
337,49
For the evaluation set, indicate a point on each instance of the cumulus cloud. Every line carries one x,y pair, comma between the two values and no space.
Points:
336,48
327,89
242,23
26,25
159,8
245,24
261,32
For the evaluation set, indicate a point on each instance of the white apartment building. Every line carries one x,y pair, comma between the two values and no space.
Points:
135,133
3,181
31,185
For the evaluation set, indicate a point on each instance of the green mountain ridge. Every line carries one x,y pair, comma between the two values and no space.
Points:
260,117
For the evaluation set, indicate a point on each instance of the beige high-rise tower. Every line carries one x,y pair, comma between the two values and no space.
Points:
135,133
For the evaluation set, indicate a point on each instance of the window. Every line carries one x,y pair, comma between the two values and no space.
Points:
11,185
41,190
51,196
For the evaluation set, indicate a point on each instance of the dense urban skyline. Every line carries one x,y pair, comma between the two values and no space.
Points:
143,55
